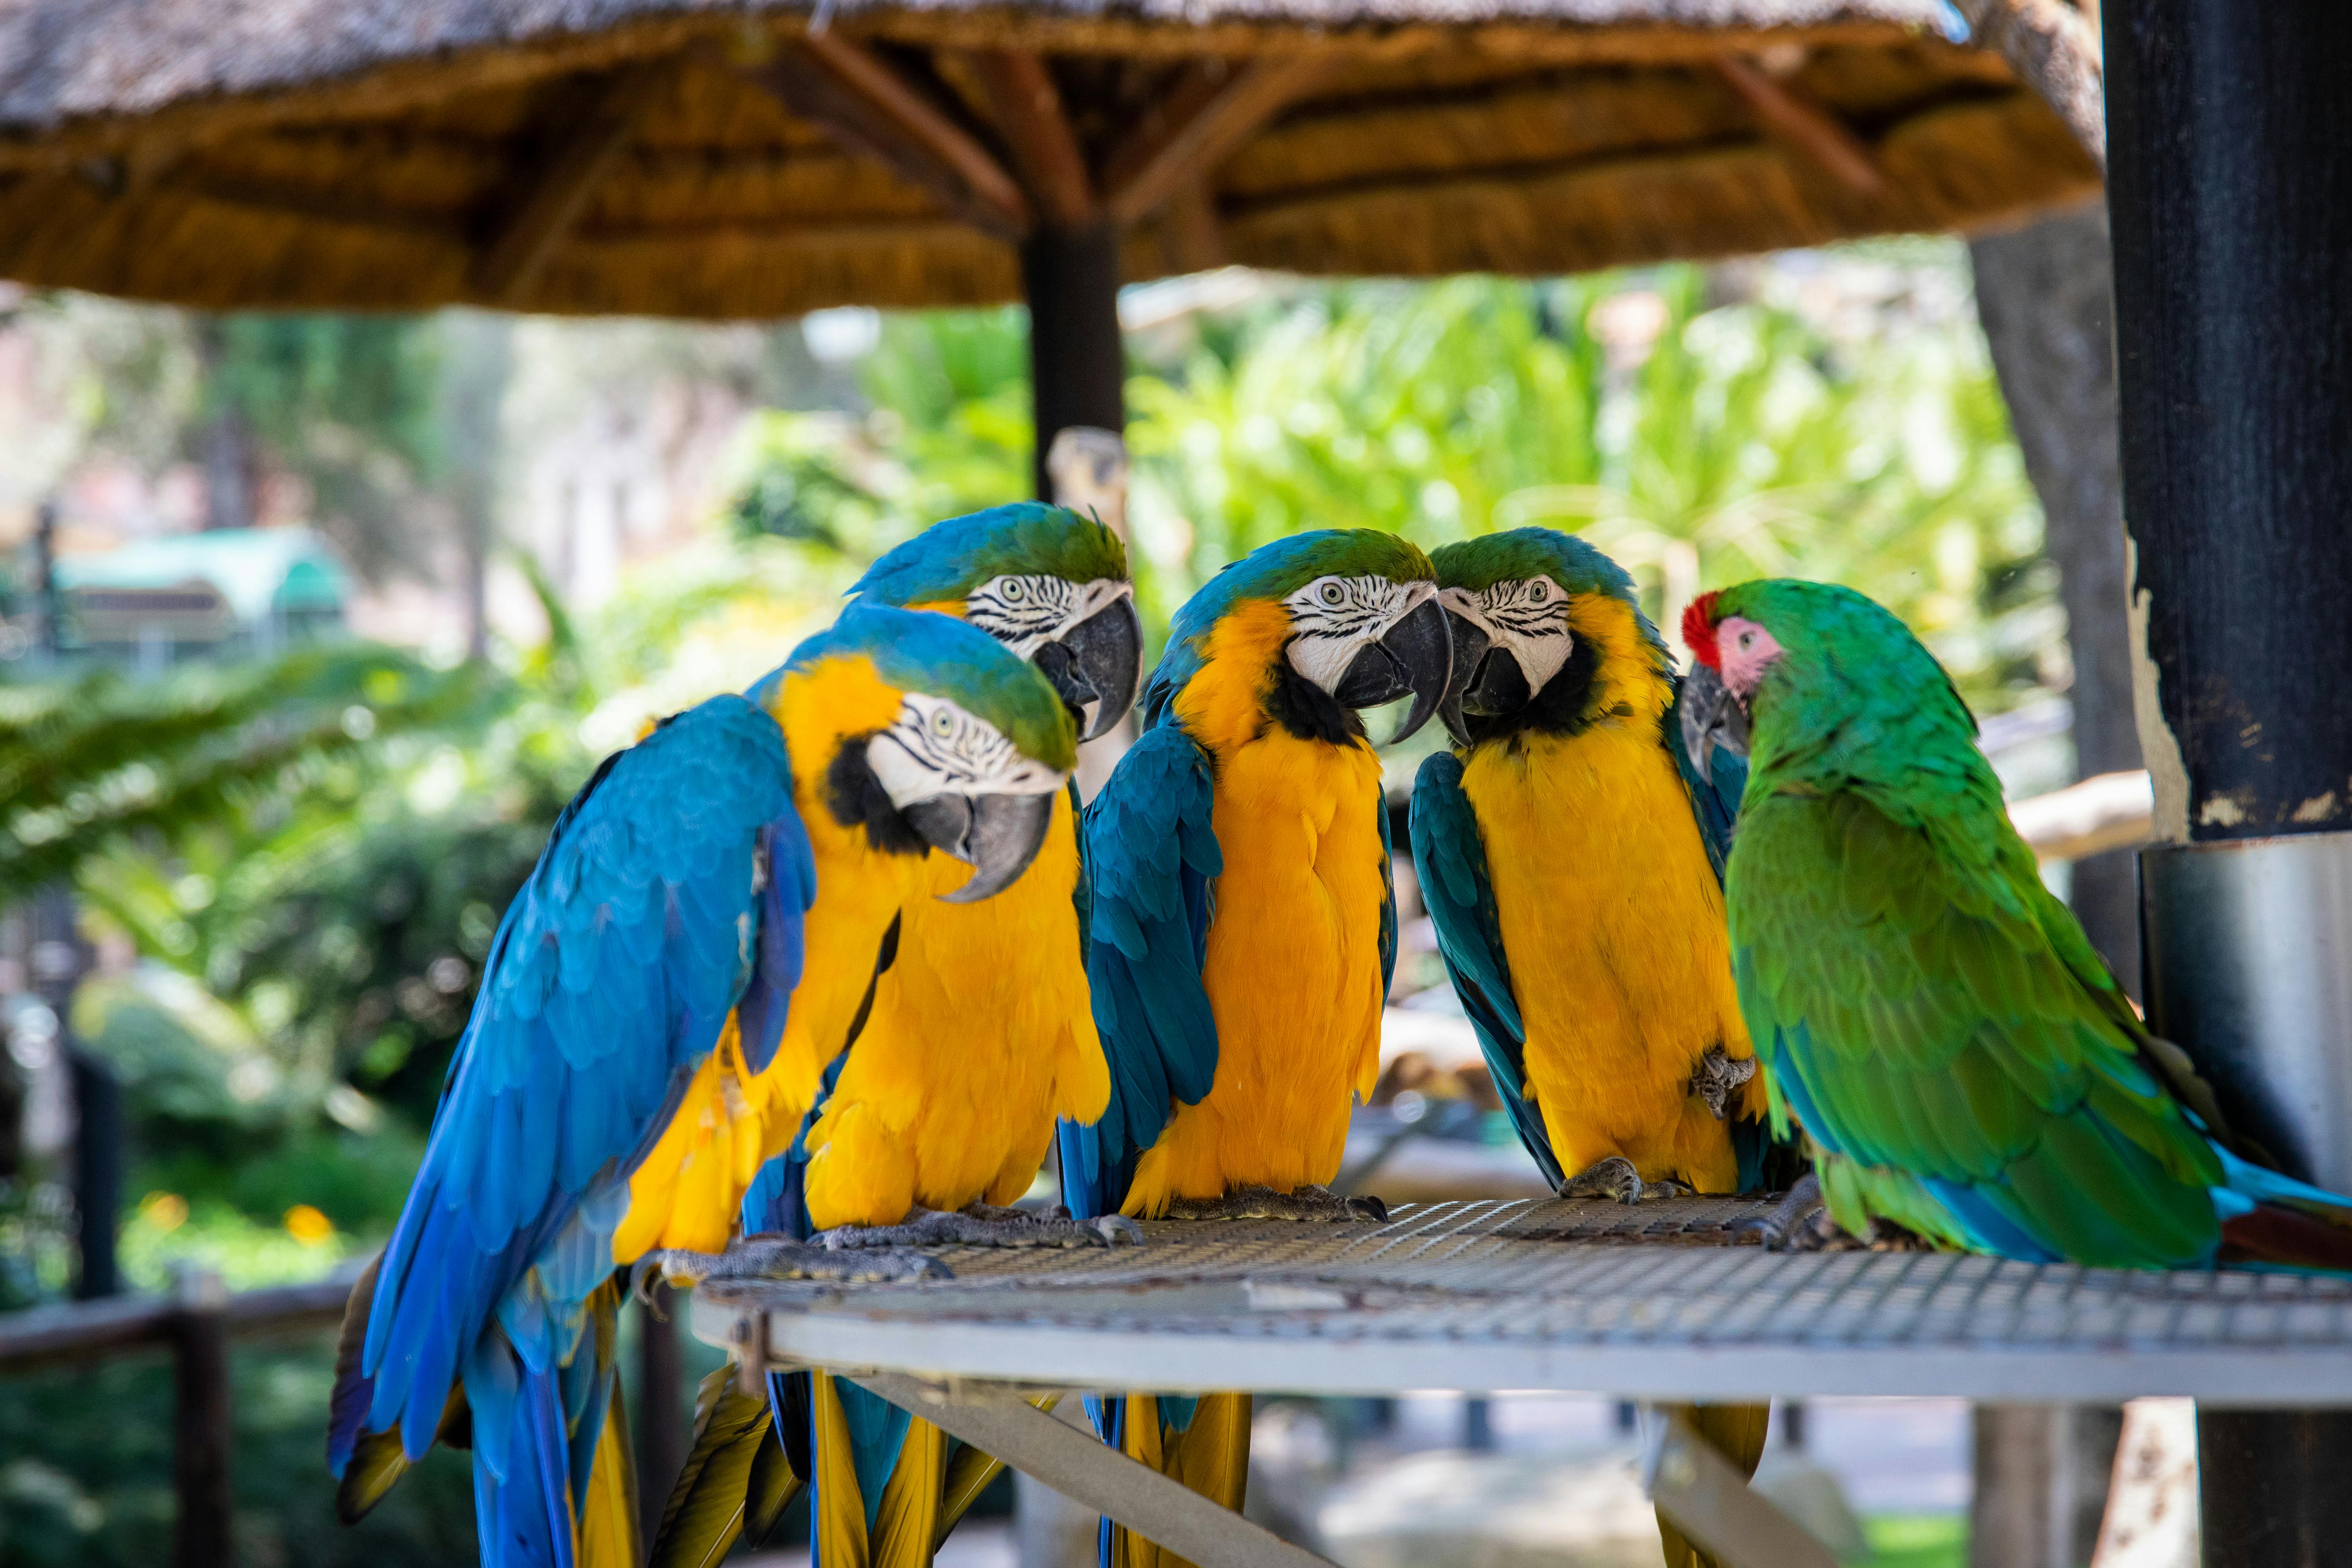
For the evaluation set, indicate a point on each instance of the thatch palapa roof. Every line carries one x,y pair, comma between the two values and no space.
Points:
693,158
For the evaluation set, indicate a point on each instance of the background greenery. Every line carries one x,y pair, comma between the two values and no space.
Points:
298,866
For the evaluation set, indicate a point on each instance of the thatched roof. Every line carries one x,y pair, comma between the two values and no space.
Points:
695,158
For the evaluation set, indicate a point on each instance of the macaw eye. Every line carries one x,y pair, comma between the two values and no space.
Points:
943,723
1333,594
1542,589
1014,590
1747,641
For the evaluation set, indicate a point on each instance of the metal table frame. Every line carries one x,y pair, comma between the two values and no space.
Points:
1654,1303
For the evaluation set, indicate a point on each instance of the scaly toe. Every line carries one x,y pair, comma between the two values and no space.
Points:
1115,1228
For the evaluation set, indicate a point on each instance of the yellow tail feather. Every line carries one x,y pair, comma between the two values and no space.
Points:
1735,1431
607,1536
1210,1457
736,1481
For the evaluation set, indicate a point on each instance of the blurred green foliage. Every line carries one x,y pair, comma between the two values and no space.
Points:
86,1471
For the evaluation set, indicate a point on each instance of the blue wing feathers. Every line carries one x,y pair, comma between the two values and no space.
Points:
1151,850
1715,802
609,977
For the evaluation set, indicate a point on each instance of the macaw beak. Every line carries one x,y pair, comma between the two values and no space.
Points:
1096,666
1414,657
996,834
1712,716
1470,645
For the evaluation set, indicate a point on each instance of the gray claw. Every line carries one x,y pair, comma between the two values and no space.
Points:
1788,1226
771,1257
1717,1077
1615,1177
982,1224
1306,1203
1115,1228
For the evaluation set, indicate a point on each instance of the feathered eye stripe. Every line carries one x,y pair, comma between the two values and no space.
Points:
1699,628
1534,608
953,743
1013,609
1362,603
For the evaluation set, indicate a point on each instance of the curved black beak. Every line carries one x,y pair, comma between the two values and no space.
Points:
1470,645
1711,716
1100,661
996,834
1414,657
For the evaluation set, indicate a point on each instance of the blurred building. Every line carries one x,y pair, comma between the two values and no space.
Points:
224,594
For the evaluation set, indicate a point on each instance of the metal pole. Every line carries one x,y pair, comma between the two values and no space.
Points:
2229,190
1078,365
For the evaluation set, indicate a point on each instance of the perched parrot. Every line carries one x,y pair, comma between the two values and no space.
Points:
1243,927
1964,1064
687,919
1571,860
918,1143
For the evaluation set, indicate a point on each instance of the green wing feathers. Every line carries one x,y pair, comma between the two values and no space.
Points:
1924,1005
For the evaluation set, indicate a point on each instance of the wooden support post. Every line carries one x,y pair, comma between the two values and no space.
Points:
202,1432
1029,115
1210,112
2229,190
1822,137
538,219
1078,365
919,121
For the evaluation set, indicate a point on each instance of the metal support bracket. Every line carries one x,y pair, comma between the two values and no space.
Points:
1710,1501
996,1420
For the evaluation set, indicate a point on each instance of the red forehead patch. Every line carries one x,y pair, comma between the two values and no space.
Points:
1699,628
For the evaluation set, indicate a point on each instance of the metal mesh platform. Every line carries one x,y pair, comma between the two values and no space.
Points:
1654,1302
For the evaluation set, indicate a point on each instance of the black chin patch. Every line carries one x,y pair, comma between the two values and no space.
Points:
1564,707
1306,709
857,799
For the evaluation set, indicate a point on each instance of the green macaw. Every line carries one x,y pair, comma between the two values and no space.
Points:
1963,1062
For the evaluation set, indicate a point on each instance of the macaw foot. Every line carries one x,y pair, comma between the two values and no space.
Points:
1615,1177
1308,1203
775,1258
1717,1077
986,1224
1788,1225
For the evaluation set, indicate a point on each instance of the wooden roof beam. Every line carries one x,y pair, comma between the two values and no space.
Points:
1213,108
1036,128
1806,127
916,121
556,191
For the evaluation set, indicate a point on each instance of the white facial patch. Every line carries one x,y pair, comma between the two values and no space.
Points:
1334,618
1527,616
1022,610
934,747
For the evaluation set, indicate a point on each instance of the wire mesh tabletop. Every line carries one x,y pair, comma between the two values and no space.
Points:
1661,1300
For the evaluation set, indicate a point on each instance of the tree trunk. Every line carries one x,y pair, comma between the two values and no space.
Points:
476,363
227,450
2042,1474
2044,294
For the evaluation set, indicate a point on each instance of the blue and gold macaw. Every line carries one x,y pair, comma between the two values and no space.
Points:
676,956
1243,923
913,1142
1571,858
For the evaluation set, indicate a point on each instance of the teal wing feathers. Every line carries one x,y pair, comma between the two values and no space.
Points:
1151,851
1449,857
